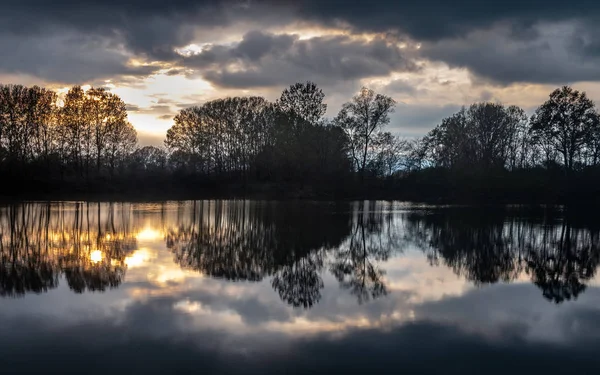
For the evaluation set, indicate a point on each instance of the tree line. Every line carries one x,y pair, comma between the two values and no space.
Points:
80,138
249,145
495,150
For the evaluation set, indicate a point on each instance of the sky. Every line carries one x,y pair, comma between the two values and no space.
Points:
431,56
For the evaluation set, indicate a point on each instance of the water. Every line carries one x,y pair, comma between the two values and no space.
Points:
274,287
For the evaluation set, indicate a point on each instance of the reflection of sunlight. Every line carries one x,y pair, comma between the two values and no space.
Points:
138,258
170,275
96,256
148,234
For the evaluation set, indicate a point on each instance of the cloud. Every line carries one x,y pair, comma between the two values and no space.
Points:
515,41
435,20
415,120
153,337
263,59
151,28
558,54
67,58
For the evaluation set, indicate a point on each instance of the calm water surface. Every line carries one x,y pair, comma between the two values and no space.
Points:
265,287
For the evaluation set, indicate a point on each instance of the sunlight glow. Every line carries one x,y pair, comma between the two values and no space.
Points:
170,276
148,234
138,258
96,256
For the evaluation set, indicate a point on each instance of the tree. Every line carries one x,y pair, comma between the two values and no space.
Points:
305,100
485,136
72,120
355,264
108,123
121,141
149,159
390,150
445,145
362,119
567,122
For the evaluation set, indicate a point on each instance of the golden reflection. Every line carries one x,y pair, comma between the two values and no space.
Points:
295,251
166,275
138,258
84,243
96,256
148,234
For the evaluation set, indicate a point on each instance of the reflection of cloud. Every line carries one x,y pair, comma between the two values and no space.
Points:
414,274
154,338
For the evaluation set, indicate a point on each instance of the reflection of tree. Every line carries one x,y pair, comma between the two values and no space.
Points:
487,246
252,240
39,242
371,241
472,242
562,261
300,284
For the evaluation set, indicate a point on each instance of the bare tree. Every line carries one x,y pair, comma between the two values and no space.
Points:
362,120
567,122
305,100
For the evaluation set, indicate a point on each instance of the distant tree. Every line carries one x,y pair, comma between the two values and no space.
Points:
520,150
389,152
305,100
149,158
484,136
362,119
445,145
567,122
121,140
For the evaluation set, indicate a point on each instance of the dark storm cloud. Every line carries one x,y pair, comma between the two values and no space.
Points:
36,33
560,53
498,41
66,58
429,20
453,32
152,27
263,59
440,19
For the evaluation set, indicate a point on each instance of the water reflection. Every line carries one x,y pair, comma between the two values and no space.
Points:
250,241
39,243
487,246
374,237
293,245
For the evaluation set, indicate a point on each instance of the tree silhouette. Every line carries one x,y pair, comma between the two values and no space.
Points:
300,284
561,263
305,100
250,241
362,119
491,246
355,263
568,121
